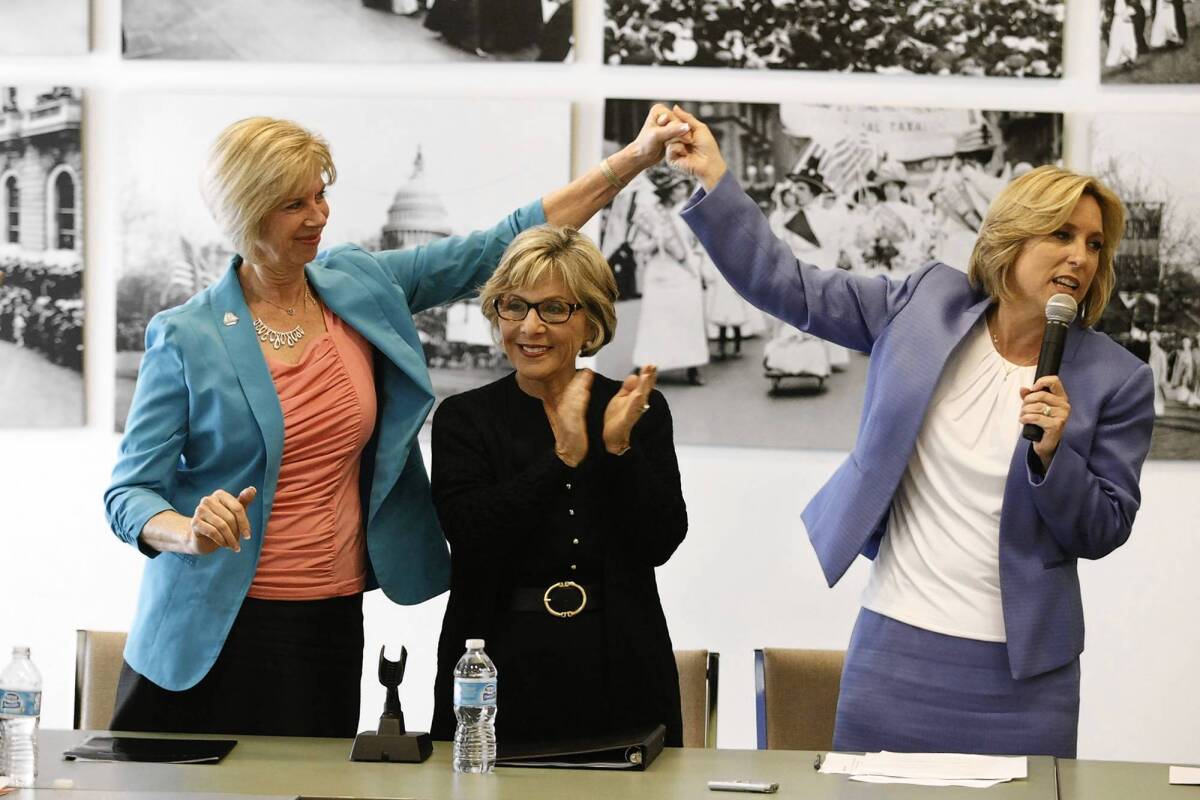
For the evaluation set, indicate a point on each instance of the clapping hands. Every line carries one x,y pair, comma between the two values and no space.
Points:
567,414
626,408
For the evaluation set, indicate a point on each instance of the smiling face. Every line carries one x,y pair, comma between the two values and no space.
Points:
541,352
291,234
1062,261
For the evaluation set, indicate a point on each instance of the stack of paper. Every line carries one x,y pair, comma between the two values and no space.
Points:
928,769
1185,776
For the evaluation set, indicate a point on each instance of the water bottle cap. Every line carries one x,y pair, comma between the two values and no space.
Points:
474,644
20,652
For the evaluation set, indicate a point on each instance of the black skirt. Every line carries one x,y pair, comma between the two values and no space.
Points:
287,668
552,678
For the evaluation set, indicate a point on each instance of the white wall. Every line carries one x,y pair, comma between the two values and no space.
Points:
746,576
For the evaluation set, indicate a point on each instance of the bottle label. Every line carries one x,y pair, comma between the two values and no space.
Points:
475,692
20,704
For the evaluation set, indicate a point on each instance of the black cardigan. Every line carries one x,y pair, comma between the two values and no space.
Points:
485,503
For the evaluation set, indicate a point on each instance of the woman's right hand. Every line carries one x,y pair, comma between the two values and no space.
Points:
220,521
567,415
696,153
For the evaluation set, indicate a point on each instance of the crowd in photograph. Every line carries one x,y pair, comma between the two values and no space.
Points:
888,222
41,309
1011,38
488,27
1133,28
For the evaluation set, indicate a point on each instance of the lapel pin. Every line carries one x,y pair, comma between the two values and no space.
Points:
230,318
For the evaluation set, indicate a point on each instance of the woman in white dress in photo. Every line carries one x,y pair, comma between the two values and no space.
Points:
1163,31
1122,40
670,331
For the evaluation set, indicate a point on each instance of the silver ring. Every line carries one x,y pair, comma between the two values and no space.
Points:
645,408
1046,411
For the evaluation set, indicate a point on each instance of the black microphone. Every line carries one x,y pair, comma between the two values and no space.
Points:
1060,312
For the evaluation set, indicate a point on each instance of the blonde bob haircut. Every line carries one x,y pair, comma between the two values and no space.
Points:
565,253
1035,204
254,166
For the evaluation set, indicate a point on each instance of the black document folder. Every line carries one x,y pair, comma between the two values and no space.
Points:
633,751
154,751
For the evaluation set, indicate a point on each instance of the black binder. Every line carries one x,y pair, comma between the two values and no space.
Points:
632,751
154,751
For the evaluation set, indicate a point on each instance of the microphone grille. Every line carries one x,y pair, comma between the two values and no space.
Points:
1061,308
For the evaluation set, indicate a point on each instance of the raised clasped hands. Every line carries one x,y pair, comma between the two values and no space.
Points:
567,413
626,408
696,153
220,521
661,126
1046,405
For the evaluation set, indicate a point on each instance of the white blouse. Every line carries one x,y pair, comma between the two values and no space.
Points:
938,567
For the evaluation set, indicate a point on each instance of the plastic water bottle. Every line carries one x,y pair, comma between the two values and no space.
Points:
475,708
20,710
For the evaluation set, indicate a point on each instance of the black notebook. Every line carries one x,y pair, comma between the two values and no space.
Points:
155,751
634,751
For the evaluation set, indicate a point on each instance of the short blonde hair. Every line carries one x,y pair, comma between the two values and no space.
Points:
254,165
565,253
1035,204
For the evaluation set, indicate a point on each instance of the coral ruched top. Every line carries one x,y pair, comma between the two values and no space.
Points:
314,546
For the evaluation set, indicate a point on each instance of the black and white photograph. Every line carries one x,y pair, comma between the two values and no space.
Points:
1146,41
44,27
41,258
1155,308
412,174
993,38
875,191
349,30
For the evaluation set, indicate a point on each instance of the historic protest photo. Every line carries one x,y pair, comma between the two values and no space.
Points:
41,258
407,180
1146,41
1155,309
349,30
1001,38
875,191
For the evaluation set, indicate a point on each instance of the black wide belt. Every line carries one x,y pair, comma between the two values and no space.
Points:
564,599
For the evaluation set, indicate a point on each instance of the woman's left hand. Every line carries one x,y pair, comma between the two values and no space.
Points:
1046,405
626,408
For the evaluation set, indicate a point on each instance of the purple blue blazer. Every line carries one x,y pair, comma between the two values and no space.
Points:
1082,507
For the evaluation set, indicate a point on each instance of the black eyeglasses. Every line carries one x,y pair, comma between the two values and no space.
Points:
552,312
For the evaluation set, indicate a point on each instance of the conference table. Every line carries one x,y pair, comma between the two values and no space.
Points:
284,767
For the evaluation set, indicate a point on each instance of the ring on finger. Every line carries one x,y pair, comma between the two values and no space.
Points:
1046,411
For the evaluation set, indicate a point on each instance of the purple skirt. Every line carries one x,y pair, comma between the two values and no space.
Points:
906,689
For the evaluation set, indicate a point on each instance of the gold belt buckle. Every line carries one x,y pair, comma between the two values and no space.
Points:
565,585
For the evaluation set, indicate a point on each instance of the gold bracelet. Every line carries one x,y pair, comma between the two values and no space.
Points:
607,170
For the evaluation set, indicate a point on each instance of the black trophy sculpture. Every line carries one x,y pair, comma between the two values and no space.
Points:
392,742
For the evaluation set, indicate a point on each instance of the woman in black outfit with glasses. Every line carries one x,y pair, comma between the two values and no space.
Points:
559,493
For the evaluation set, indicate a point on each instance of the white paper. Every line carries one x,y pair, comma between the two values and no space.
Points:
970,783
940,766
1185,776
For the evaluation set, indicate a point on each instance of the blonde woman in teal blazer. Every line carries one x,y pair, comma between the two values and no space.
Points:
197,473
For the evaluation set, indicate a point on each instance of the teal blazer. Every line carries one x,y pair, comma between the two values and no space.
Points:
205,416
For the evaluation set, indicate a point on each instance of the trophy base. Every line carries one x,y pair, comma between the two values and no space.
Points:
406,748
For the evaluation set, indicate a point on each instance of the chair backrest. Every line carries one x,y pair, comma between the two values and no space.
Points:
98,659
699,673
796,693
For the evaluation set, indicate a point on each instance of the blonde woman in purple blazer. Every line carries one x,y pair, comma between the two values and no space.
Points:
972,623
